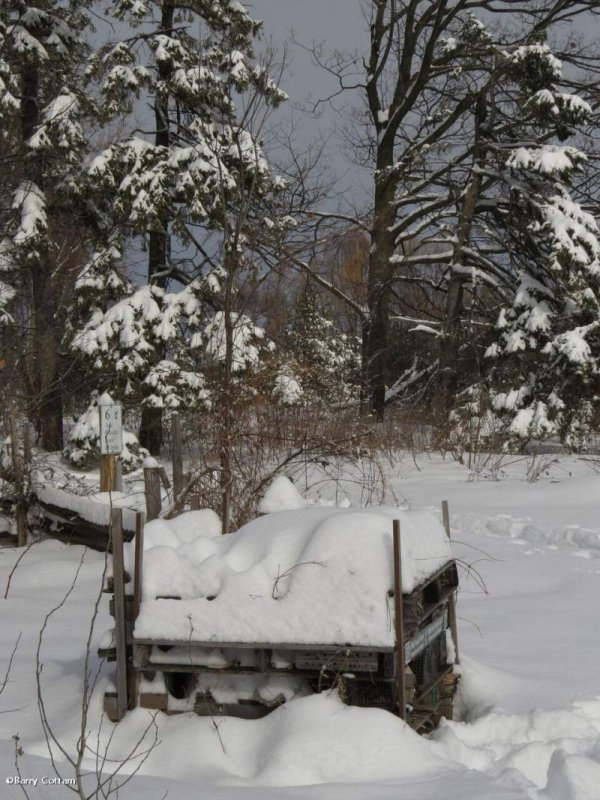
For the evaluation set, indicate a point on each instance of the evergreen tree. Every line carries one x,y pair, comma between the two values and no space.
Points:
41,117
196,192
522,232
82,449
326,362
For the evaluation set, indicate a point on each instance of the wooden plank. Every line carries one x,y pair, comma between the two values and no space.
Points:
116,533
152,492
138,559
129,609
399,620
177,455
212,643
156,701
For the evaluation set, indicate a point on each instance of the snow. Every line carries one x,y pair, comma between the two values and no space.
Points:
312,576
31,202
288,389
94,508
247,339
83,444
529,698
548,159
281,495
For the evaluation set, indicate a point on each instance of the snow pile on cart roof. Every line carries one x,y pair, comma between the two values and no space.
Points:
307,576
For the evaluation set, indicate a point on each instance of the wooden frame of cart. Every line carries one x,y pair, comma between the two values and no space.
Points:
414,678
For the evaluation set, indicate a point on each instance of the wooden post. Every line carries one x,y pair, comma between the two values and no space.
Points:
195,502
133,675
177,454
116,535
399,621
107,473
139,558
164,478
446,518
452,603
152,491
111,440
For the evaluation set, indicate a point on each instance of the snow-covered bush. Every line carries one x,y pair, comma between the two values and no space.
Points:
324,362
83,445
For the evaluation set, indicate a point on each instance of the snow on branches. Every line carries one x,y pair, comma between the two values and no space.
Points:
548,342
193,193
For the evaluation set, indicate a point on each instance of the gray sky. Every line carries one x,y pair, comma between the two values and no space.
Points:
337,24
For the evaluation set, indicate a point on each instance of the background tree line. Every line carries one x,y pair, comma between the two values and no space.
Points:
159,240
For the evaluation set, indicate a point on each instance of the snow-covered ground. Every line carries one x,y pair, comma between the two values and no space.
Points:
529,647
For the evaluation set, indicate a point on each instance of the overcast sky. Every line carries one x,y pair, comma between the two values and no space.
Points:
337,24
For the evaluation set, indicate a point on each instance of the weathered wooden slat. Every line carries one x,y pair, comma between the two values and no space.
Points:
107,472
156,701
116,533
211,644
399,621
152,492
139,563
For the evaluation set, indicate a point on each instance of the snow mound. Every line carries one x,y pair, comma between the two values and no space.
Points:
556,751
181,530
281,495
572,777
310,576
311,740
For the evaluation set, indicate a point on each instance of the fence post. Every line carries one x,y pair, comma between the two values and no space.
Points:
399,621
116,535
446,518
133,679
452,603
107,473
177,454
139,557
152,490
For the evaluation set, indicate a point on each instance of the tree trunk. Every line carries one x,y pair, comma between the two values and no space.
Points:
452,332
376,330
151,430
151,427
226,406
46,403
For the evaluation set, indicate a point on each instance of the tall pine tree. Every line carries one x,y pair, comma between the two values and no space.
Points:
42,106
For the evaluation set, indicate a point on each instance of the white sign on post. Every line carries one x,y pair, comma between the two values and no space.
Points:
111,430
